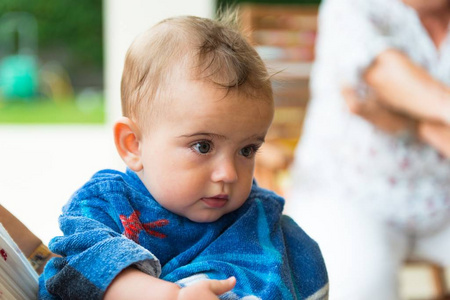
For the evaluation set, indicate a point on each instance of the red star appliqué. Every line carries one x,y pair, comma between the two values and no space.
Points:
4,254
133,226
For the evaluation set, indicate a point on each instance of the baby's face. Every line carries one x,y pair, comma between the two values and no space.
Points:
199,155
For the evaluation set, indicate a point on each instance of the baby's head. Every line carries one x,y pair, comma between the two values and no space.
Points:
197,103
188,48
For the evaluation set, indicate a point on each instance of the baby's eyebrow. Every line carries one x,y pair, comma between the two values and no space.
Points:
260,138
211,135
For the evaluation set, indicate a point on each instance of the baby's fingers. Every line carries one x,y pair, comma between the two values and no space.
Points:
207,289
218,287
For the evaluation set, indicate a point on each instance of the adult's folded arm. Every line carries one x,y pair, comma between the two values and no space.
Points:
404,96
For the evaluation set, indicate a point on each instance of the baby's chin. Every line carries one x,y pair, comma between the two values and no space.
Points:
204,219
207,217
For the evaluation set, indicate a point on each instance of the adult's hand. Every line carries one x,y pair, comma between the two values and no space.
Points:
435,134
372,110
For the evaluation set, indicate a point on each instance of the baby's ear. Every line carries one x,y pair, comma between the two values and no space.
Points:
127,139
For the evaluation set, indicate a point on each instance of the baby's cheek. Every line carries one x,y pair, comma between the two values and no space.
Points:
187,188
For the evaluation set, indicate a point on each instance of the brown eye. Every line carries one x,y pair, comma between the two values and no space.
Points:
247,151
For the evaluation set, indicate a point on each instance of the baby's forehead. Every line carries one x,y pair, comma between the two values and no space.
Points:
196,49
203,102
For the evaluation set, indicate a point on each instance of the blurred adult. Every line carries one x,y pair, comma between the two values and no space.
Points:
371,174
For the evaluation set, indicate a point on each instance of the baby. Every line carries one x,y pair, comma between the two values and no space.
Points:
186,220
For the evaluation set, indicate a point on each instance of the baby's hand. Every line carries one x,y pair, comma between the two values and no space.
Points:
134,284
207,289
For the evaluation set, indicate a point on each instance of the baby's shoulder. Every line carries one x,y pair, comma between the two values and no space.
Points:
107,188
107,183
268,197
305,254
105,180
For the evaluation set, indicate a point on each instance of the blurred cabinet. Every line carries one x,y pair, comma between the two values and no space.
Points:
284,36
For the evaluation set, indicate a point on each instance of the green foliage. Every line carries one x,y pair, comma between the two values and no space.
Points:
222,3
44,111
74,27
69,58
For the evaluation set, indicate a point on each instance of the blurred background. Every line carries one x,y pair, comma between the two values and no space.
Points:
60,70
51,68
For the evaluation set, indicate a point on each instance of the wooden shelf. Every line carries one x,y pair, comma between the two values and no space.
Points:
284,36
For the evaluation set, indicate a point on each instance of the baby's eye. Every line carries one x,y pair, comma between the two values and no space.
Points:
248,151
202,147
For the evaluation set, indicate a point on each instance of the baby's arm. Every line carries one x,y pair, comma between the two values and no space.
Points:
408,88
134,284
93,249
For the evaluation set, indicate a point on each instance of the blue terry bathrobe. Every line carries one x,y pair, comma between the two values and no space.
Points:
113,222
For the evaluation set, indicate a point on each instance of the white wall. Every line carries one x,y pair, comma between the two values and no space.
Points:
124,20
43,165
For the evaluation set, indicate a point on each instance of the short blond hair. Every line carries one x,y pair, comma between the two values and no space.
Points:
212,50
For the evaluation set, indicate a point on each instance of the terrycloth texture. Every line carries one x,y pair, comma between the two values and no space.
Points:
113,222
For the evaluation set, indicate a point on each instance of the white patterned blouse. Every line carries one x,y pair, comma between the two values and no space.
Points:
340,155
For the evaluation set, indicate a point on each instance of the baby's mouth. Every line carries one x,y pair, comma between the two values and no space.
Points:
217,201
